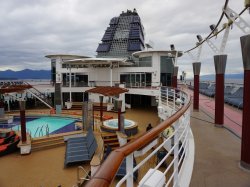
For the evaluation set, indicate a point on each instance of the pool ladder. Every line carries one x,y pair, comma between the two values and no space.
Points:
27,130
39,130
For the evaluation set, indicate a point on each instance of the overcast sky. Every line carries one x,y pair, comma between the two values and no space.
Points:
31,29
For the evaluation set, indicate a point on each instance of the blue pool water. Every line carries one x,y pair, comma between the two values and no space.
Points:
38,126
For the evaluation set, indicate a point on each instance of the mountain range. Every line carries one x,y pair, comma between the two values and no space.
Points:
46,74
25,74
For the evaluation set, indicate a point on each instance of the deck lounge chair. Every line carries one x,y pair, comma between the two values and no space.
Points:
10,147
236,98
5,137
80,149
209,91
203,86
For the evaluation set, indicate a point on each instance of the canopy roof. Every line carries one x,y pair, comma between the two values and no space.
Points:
97,61
166,53
14,88
107,90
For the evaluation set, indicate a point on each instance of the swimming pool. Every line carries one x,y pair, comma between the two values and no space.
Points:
39,126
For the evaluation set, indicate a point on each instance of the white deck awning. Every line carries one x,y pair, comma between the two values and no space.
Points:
97,61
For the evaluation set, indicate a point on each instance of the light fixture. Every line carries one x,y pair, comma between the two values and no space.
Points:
172,47
199,38
215,31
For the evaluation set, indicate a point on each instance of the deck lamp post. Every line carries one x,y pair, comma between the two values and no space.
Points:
23,121
175,75
196,70
175,69
220,67
220,60
245,139
245,47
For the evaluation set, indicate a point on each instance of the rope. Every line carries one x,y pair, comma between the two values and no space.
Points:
211,34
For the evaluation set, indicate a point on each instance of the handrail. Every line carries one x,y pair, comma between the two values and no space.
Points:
107,171
36,130
40,99
47,130
41,131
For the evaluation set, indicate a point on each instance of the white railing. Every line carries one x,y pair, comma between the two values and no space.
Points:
180,141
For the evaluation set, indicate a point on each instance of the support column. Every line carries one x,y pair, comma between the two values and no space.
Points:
58,97
245,139
196,70
101,107
85,116
119,106
174,78
1,107
111,75
70,85
23,121
220,67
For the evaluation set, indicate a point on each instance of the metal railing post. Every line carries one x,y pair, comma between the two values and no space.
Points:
174,99
176,154
167,96
129,169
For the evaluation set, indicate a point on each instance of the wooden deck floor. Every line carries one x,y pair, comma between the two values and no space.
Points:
217,155
46,168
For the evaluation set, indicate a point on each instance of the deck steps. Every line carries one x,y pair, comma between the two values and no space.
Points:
47,146
47,143
51,141
112,140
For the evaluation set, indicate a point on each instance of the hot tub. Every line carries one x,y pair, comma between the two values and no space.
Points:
111,125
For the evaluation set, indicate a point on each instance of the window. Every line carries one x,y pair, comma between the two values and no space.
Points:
167,65
145,61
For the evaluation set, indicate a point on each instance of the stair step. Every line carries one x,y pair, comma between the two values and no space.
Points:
49,146
110,139
113,147
108,135
46,142
47,139
112,143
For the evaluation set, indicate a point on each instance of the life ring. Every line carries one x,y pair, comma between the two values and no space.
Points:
168,132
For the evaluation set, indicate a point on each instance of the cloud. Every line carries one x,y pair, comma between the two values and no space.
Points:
32,29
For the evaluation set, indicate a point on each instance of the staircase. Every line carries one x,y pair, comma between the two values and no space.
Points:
40,96
112,140
47,143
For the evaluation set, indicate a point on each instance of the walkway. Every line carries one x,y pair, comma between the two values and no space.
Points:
217,150
232,116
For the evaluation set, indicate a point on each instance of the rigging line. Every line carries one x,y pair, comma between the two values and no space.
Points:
229,23
222,15
209,37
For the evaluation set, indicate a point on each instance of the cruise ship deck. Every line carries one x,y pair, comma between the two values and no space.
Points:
217,154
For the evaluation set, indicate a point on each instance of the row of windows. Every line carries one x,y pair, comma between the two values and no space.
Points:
165,61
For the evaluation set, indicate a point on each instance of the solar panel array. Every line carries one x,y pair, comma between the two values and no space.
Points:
123,36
